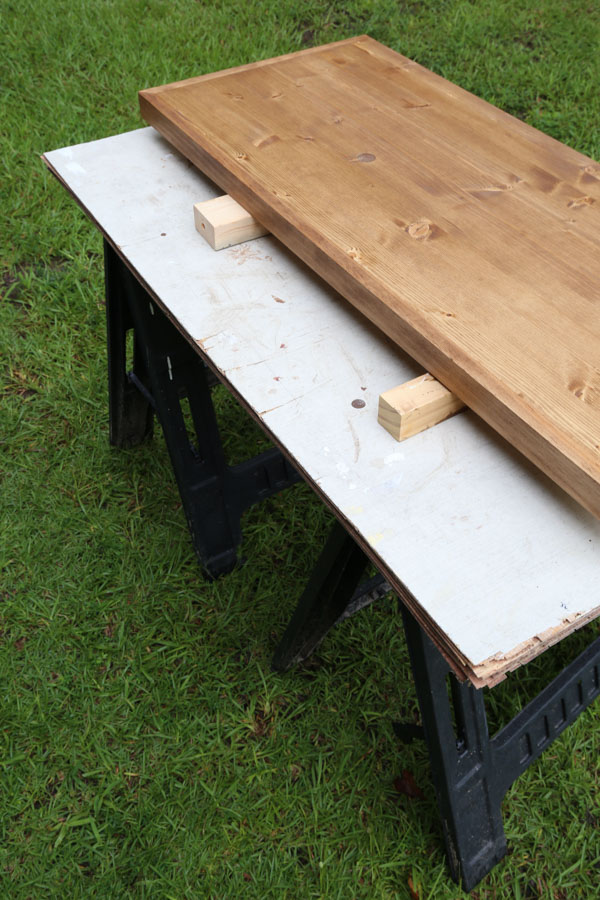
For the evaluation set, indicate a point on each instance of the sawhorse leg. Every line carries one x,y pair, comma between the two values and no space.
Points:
461,761
333,593
168,373
471,772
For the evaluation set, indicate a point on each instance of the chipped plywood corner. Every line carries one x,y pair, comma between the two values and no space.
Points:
495,668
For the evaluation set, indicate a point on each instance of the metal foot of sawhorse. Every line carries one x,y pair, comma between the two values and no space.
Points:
471,771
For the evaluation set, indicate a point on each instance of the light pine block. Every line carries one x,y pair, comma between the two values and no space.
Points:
416,405
224,223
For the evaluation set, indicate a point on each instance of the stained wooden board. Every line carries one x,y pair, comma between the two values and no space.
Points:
494,560
468,237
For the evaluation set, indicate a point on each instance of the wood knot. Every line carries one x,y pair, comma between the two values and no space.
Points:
579,202
264,142
422,231
591,172
585,391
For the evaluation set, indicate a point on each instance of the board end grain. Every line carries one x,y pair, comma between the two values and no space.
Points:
224,223
416,405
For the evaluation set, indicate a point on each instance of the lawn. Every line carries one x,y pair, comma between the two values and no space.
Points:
148,751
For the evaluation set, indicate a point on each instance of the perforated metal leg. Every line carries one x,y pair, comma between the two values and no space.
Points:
168,373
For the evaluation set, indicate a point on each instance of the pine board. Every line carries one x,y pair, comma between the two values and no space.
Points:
468,237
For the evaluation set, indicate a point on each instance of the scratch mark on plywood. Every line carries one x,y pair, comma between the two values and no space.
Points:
354,439
321,384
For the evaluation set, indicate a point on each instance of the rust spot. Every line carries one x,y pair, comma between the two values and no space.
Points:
277,378
282,346
450,315
423,230
277,299
264,142
579,202
358,404
364,157
163,234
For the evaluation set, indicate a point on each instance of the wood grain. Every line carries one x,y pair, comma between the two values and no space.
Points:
468,237
415,406
224,223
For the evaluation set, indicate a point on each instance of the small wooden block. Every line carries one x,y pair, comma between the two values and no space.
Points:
416,405
224,223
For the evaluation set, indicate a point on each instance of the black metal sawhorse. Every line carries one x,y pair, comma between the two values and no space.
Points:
471,771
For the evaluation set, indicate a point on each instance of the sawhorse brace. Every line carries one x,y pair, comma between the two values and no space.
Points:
471,771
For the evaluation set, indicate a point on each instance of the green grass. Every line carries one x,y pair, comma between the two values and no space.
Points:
147,749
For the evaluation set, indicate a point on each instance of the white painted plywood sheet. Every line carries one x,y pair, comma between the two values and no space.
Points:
493,554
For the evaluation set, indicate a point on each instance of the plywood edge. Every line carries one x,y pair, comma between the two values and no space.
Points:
496,667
